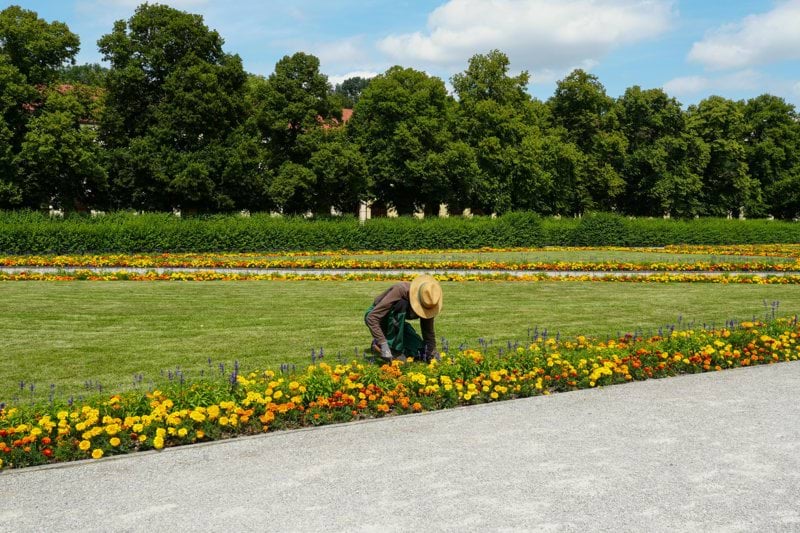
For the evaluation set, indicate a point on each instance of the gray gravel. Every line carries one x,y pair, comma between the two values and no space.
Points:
711,452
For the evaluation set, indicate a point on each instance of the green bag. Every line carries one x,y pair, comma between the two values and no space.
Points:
402,337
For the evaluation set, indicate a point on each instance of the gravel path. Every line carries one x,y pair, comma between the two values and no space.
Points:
709,452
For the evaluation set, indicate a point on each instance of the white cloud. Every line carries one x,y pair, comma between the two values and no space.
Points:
339,78
349,50
536,34
755,40
687,85
738,84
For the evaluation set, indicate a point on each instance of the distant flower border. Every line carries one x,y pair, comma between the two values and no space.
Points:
476,276
335,260
188,412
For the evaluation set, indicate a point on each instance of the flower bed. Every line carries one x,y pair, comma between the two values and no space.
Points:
337,260
184,413
212,275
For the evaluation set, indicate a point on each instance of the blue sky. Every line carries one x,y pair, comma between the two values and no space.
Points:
735,48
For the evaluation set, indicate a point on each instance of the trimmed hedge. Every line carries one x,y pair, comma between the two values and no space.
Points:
28,232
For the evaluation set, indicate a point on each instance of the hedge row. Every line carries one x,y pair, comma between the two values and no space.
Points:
35,233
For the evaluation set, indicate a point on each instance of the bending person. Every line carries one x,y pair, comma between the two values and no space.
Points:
387,318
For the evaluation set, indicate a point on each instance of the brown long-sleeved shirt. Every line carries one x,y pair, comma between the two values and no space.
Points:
383,304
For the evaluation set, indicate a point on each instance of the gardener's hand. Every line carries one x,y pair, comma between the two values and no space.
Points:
386,352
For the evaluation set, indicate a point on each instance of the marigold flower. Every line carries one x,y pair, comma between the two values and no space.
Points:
84,445
114,441
97,453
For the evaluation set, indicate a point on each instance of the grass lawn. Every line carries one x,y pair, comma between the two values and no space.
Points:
68,333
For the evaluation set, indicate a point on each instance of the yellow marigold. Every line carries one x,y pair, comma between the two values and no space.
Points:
158,442
182,432
84,445
114,441
97,453
197,416
161,432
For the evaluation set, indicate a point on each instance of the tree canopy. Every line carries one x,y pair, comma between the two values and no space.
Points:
172,120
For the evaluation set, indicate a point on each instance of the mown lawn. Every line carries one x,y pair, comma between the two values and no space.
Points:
68,333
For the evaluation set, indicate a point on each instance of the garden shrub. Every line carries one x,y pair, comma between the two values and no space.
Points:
26,232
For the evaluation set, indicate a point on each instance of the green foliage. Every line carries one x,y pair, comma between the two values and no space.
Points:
664,163
181,125
341,174
349,91
728,188
37,48
403,124
59,161
88,74
497,121
773,154
289,104
27,232
175,101
588,119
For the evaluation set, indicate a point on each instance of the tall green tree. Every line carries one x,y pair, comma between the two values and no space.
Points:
37,48
728,187
664,164
59,163
89,74
13,93
496,117
772,146
173,113
341,173
294,100
314,165
32,51
349,91
403,123
586,113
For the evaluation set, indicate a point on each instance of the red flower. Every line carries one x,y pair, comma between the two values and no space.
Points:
47,452
46,441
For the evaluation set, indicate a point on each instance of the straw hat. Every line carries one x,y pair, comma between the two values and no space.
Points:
425,296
